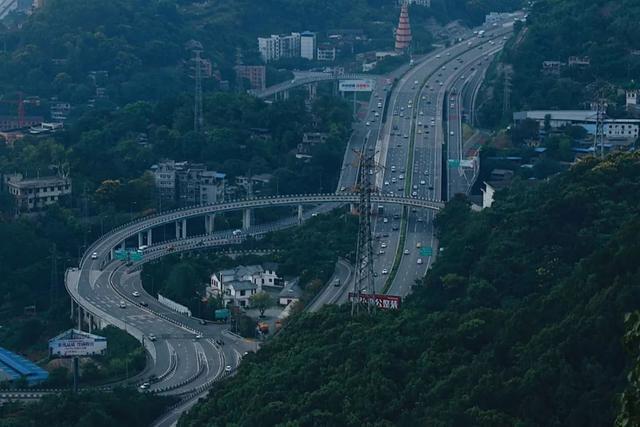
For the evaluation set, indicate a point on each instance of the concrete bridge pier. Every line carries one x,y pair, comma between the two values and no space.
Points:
149,237
140,239
246,219
181,229
209,223
312,90
285,95
300,214
80,318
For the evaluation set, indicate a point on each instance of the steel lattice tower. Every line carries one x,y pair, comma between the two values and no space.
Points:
364,279
197,108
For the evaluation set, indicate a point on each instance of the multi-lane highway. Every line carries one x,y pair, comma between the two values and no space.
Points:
411,158
187,356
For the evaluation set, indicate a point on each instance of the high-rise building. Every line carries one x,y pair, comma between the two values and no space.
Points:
187,183
403,32
308,45
279,46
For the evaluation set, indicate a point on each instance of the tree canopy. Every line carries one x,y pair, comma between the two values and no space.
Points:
519,322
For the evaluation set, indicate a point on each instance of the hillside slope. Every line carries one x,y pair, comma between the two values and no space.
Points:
520,322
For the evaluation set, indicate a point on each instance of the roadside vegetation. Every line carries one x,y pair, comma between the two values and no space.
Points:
122,407
520,322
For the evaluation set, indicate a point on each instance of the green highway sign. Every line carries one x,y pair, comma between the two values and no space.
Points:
426,251
128,255
454,163
121,254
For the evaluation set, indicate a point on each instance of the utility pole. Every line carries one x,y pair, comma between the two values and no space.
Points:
197,109
506,101
197,66
53,275
364,285
601,110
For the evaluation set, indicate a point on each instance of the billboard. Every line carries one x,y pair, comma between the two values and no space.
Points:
385,302
356,85
76,343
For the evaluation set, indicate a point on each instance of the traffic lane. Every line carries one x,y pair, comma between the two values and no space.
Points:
330,292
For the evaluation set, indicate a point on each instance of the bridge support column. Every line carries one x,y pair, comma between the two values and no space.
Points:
90,323
184,228
149,237
71,316
353,209
300,214
246,219
140,239
209,222
123,245
79,318
285,95
312,90
112,254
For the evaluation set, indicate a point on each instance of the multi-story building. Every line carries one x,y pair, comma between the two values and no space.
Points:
276,46
308,45
256,74
614,129
187,183
236,285
326,52
33,194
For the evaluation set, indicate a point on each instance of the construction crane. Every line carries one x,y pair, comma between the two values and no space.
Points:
20,102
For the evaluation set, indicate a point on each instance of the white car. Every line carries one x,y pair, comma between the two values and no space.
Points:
381,252
227,368
423,182
451,133
414,194
94,255
422,113
401,177
393,180
383,246
406,252
152,337
367,124
419,260
386,220
122,304
144,386
386,183
385,271
136,294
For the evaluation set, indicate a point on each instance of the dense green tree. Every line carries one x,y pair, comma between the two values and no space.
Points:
519,322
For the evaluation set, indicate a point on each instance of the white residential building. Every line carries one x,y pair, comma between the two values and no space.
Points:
326,52
308,45
236,285
279,46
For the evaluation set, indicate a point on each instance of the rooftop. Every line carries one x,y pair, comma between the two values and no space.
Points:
18,181
14,366
241,285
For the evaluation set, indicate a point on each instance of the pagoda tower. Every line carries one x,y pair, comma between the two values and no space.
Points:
403,32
